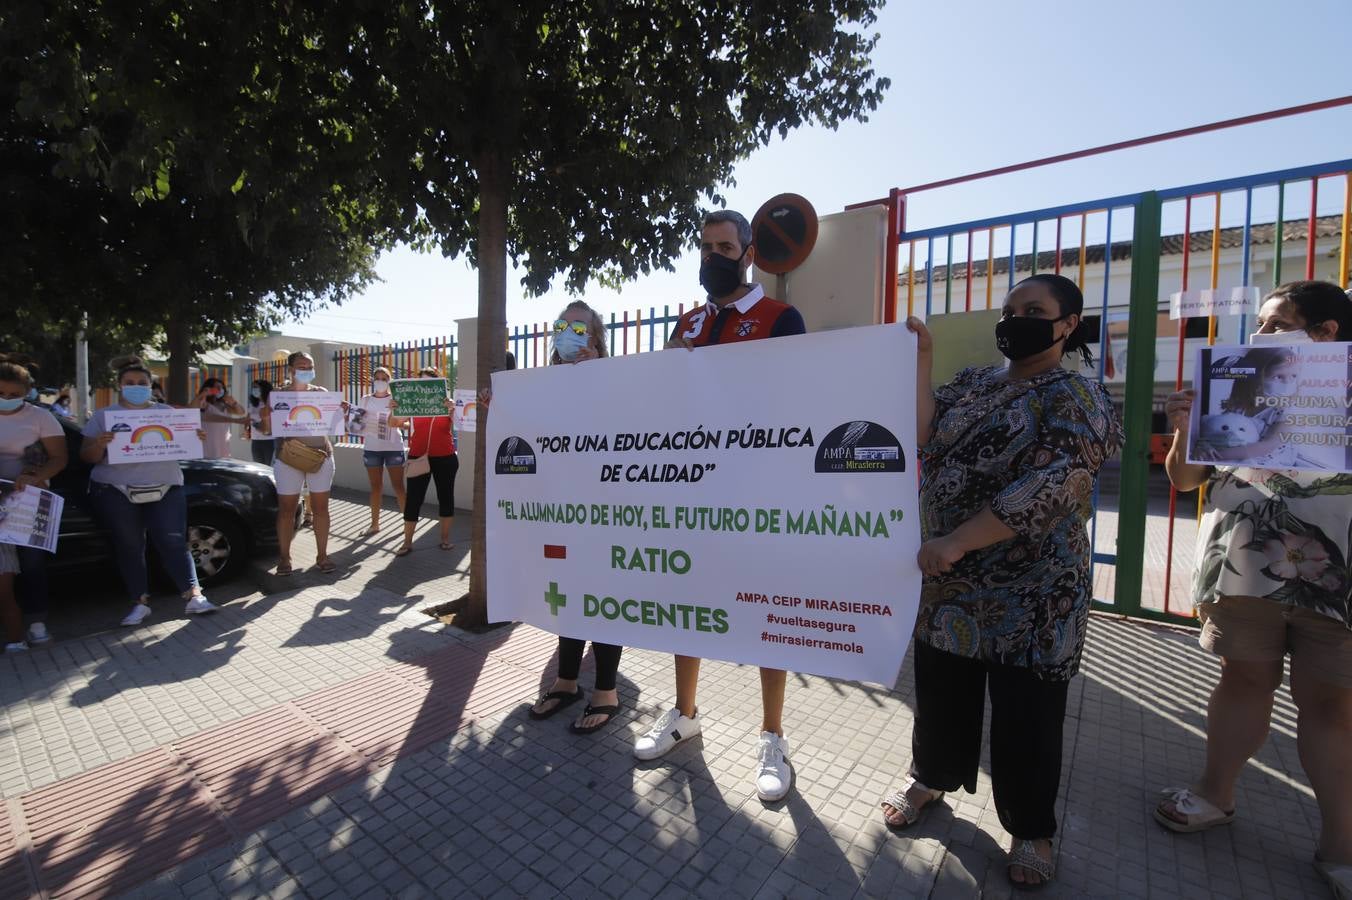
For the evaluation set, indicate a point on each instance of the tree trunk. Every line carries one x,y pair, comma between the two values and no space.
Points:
180,349
492,349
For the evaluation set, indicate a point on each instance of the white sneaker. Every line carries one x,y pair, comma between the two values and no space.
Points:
37,633
16,647
138,614
199,605
669,730
773,775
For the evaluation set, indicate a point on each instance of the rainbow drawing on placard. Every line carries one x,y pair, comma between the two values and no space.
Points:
151,432
468,410
306,409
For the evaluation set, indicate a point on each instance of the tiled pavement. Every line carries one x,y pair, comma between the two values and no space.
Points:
322,737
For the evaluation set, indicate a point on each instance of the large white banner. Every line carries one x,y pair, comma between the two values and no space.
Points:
306,413
752,502
153,435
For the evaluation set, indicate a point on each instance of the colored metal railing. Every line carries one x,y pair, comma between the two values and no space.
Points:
1249,234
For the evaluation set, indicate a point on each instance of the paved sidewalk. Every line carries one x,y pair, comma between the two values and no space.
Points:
323,737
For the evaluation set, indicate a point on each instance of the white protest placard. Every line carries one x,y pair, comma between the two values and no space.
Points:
754,502
1273,406
466,409
1232,301
153,435
306,413
29,518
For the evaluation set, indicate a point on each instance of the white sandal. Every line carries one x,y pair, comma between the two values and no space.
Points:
1199,812
910,813
1025,854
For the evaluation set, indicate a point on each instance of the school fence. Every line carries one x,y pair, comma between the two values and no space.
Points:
1128,254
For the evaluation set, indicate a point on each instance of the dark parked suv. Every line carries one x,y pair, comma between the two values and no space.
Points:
232,514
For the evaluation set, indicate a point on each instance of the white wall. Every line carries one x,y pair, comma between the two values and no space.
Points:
840,284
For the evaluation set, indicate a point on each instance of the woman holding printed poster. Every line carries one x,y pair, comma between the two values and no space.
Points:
580,335
292,480
1008,461
383,446
139,500
32,452
1273,578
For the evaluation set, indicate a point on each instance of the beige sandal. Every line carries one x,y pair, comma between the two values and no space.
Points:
910,813
1198,813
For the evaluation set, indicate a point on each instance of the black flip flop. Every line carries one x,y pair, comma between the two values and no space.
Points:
565,698
608,711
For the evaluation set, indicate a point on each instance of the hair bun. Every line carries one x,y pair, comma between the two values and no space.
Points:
123,362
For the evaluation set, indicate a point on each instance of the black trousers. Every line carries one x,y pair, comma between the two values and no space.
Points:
1027,715
442,470
607,661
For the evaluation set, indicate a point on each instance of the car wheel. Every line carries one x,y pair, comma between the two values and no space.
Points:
218,546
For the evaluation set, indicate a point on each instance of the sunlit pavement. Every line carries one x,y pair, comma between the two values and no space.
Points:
321,736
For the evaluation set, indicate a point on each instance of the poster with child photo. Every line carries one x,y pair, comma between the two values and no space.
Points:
1273,407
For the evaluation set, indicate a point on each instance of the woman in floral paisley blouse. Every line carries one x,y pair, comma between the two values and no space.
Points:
1274,576
1008,461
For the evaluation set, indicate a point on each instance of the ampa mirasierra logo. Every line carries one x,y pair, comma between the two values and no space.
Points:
515,457
860,447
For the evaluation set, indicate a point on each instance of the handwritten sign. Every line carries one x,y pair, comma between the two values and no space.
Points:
306,413
153,435
420,396
29,518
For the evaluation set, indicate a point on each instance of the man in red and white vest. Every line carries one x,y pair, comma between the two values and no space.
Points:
735,311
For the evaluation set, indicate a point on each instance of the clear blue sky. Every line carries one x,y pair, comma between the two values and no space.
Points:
978,84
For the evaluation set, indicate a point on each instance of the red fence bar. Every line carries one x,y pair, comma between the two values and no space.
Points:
1178,386
1121,145
1345,240
1309,240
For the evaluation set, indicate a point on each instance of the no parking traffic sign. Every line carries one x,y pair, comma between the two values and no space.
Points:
784,231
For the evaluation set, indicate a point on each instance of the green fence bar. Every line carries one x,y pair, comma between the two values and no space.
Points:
1142,313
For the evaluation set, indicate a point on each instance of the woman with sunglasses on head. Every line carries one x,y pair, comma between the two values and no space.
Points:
139,500
431,457
219,412
383,446
580,335
259,436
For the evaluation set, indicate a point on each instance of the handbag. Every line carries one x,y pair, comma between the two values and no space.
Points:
143,493
416,466
302,457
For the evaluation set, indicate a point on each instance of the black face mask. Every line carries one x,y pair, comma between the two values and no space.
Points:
720,275
1019,337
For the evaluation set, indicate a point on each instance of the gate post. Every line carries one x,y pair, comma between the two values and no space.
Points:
1139,404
